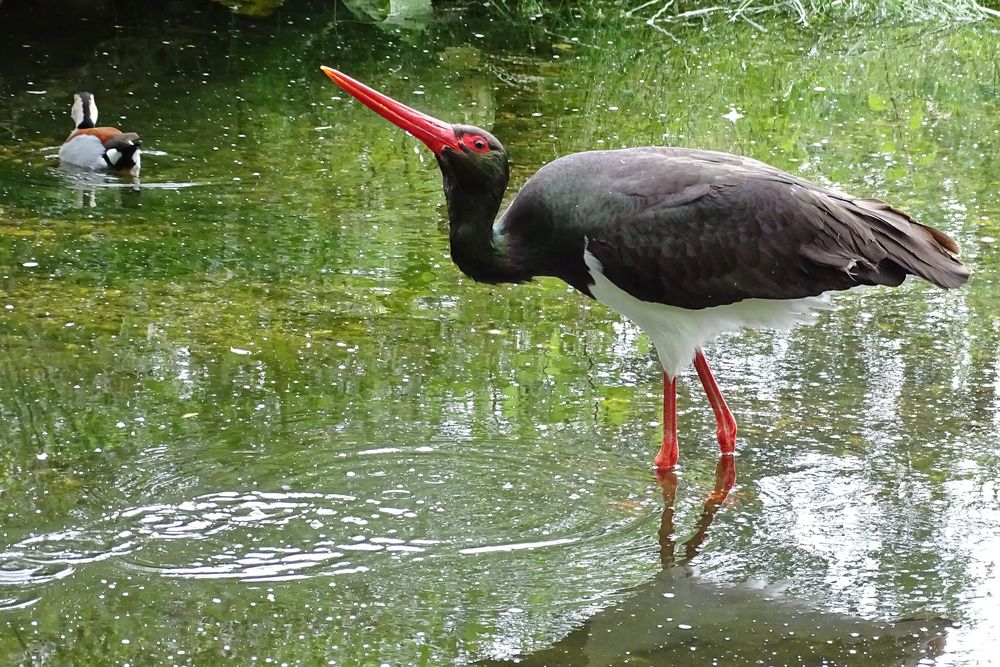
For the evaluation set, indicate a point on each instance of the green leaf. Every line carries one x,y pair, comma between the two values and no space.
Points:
876,102
896,172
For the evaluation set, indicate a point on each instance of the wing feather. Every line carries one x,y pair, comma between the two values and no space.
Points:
710,229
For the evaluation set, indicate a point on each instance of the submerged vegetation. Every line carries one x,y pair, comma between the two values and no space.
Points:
661,12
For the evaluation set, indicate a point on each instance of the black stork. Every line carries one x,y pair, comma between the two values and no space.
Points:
686,243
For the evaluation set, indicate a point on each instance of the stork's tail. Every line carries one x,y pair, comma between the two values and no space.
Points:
918,249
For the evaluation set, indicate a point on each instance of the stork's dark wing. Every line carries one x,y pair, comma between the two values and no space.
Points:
696,229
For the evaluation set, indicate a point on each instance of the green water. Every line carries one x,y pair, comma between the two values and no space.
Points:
250,413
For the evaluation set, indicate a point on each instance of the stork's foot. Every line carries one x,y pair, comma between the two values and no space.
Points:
725,431
667,457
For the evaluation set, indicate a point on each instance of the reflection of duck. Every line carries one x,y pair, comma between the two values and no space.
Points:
680,618
98,148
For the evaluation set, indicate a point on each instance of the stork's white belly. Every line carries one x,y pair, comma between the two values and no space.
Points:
85,151
677,332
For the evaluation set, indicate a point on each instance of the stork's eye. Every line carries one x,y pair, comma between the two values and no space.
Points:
476,142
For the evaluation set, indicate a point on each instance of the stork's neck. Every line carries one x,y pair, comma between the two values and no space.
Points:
476,248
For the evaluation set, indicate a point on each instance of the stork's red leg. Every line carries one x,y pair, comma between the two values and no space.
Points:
667,457
725,423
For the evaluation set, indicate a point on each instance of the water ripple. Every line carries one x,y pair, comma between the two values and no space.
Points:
422,507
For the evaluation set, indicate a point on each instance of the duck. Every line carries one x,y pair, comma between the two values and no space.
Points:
98,148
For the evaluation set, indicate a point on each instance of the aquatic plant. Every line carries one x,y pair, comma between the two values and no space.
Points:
660,13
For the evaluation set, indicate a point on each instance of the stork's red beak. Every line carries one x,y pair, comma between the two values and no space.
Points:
437,134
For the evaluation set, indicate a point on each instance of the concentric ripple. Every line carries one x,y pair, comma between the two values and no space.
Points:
418,510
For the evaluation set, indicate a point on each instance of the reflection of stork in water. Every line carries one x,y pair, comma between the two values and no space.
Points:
725,478
680,619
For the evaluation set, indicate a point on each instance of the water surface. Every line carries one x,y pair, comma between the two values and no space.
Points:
249,410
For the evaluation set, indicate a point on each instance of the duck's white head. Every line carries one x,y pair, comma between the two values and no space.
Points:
84,110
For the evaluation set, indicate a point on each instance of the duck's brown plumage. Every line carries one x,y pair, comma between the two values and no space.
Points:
90,147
